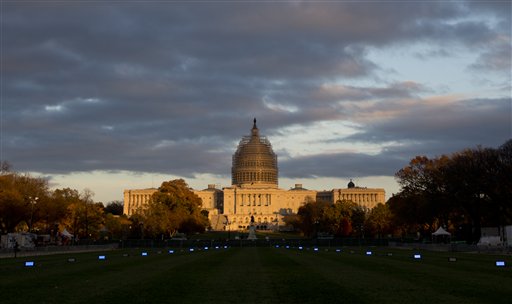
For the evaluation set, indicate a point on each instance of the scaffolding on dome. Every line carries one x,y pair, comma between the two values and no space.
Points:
254,162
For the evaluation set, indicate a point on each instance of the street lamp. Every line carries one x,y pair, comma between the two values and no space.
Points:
229,230
33,202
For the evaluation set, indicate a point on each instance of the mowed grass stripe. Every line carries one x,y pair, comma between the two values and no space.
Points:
400,279
54,280
167,280
366,283
239,275
257,275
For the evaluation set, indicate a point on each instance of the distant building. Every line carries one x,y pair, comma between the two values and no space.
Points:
254,194
364,197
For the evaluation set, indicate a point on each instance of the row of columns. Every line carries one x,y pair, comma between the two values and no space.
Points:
136,201
251,176
250,199
361,197
247,219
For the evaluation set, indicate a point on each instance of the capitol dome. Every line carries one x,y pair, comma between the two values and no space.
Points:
254,162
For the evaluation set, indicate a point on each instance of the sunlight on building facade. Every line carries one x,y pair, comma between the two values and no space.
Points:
254,194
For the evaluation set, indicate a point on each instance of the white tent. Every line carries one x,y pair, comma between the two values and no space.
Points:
441,231
442,234
65,233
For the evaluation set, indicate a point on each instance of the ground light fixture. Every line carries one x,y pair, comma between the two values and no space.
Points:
171,251
500,263
369,253
30,263
102,257
417,256
144,253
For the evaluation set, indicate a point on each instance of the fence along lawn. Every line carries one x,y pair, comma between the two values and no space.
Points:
258,275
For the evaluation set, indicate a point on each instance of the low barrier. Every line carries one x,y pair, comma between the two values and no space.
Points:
46,250
261,242
452,247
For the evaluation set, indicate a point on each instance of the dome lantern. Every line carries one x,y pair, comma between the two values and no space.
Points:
351,185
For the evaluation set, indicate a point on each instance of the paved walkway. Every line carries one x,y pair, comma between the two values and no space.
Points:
56,250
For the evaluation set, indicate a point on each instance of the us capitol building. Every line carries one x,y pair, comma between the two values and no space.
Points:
254,192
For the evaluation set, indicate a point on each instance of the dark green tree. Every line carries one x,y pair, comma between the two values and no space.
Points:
469,188
114,207
379,221
174,207
343,218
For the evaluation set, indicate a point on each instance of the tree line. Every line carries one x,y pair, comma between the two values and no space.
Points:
344,218
462,192
28,204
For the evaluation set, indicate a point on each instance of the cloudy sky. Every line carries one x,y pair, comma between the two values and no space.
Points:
114,95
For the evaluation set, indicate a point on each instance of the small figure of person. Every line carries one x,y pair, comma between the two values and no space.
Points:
16,247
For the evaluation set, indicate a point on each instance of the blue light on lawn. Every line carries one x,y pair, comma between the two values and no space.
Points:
500,263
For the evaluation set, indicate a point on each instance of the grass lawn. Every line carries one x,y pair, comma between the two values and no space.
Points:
257,275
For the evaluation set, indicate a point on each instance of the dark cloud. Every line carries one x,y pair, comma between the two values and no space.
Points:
464,122
172,86
342,165
497,58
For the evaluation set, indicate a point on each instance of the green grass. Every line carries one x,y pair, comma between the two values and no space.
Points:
258,275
